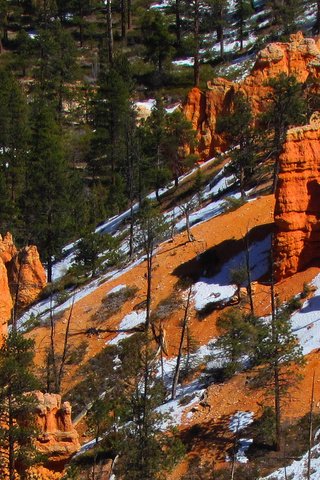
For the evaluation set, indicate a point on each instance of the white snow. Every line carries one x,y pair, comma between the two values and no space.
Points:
132,320
298,469
306,322
218,288
116,289
240,420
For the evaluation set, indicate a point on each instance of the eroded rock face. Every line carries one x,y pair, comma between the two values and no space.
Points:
300,56
297,210
58,439
25,274
5,301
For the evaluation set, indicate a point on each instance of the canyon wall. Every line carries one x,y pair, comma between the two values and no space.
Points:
297,210
300,56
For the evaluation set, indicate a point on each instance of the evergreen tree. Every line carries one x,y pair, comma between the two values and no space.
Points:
46,201
146,450
285,108
16,406
153,132
112,115
243,11
13,146
278,356
180,138
237,339
238,127
156,38
57,66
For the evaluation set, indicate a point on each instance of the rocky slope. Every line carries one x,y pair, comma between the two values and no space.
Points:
300,56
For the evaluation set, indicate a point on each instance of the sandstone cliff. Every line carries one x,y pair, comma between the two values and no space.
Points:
58,438
300,56
297,210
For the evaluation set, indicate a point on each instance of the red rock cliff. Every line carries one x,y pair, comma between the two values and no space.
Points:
297,210
300,57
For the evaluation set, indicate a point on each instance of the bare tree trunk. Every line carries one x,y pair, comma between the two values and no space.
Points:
196,26
124,16
310,428
129,14
109,31
184,328
149,288
276,369
249,287
178,22
65,347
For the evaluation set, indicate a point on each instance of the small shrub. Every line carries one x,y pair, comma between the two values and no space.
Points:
307,290
76,356
293,305
167,306
32,322
230,204
113,302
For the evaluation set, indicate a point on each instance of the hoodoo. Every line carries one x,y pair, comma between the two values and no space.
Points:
297,210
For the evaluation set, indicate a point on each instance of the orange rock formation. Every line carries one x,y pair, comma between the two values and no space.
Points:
300,56
297,210
58,439
22,277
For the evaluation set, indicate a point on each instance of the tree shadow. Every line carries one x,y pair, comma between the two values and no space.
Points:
204,436
210,262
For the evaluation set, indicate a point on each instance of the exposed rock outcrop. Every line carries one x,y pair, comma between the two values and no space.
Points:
26,276
300,56
297,210
22,277
5,301
58,439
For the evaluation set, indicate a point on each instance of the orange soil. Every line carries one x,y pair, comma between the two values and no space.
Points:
225,233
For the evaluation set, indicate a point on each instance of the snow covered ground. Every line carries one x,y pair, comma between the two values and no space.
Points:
219,288
298,469
306,322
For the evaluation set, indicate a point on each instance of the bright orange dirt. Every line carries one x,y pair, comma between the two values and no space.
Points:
223,400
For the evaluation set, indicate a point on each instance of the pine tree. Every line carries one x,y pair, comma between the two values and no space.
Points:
156,38
16,406
57,65
238,127
46,201
179,135
112,120
237,339
285,108
151,230
279,357
243,11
